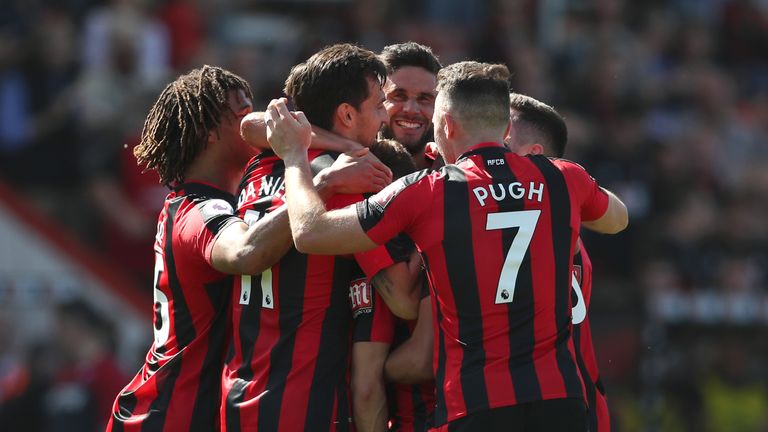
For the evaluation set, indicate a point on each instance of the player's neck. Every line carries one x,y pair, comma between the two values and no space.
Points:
343,132
464,143
217,173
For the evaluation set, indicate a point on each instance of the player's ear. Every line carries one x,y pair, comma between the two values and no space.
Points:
346,115
508,129
449,125
537,149
213,135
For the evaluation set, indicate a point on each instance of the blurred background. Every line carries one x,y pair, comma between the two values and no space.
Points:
666,104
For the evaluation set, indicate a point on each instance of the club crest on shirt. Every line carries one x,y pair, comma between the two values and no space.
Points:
215,207
360,297
578,273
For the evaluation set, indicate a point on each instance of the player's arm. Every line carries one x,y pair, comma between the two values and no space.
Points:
411,362
243,249
399,286
614,220
253,129
314,229
355,172
369,397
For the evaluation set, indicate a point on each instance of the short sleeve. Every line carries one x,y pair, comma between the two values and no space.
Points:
216,215
394,251
592,199
375,260
395,207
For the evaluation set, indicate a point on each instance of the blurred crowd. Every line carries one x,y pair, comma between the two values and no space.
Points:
666,104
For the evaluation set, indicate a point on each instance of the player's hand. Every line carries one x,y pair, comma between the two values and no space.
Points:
358,171
289,133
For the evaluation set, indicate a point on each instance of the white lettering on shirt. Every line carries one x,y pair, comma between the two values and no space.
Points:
514,190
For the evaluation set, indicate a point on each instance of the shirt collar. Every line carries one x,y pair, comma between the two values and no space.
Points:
480,148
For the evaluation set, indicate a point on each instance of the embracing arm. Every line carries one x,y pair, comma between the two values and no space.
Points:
243,249
314,229
253,129
614,220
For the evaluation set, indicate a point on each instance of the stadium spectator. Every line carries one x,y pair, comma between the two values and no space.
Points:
80,395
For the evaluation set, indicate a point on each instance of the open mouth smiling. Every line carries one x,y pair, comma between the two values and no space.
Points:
409,124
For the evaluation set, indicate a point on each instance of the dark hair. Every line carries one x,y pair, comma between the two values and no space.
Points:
539,118
395,156
177,127
478,93
334,75
410,54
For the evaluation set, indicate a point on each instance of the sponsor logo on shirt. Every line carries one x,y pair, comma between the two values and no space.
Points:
360,297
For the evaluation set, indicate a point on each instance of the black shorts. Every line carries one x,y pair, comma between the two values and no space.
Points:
554,415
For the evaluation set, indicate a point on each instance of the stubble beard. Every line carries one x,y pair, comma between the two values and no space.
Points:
414,147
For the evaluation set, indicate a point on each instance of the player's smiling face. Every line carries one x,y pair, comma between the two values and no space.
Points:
410,93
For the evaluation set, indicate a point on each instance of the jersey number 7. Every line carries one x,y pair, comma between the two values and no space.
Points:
526,222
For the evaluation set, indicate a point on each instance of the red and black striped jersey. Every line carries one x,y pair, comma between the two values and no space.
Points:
496,232
410,406
289,366
599,419
178,388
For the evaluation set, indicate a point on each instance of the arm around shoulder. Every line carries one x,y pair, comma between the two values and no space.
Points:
243,249
253,129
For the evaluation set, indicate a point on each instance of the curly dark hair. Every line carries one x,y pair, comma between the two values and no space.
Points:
334,75
177,127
